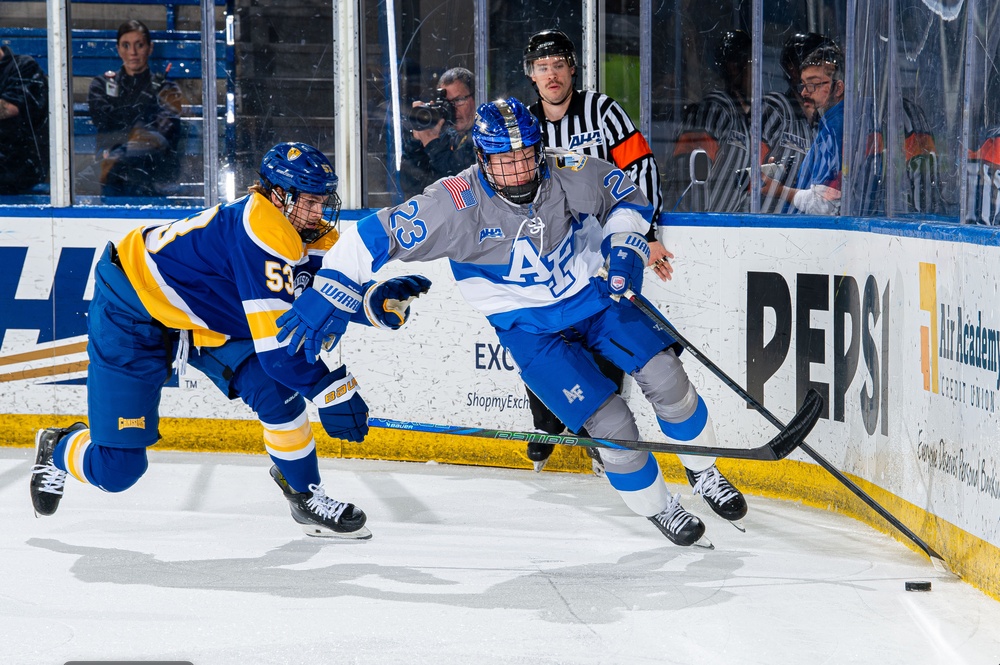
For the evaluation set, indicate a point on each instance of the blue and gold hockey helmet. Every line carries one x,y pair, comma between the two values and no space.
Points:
507,129
299,168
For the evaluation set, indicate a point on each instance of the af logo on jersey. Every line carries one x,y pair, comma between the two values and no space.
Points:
527,267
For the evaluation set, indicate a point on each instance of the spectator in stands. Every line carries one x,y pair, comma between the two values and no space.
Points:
137,116
24,123
445,148
787,130
817,190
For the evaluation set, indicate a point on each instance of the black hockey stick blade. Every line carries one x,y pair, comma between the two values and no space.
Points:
794,433
773,450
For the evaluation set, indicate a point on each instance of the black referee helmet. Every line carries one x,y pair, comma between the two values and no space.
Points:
796,48
733,51
548,44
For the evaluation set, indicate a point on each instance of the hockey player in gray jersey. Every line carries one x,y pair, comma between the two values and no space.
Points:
525,230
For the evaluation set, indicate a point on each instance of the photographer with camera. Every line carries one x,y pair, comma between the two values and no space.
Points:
441,143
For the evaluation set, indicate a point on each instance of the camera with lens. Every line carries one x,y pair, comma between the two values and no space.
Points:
419,118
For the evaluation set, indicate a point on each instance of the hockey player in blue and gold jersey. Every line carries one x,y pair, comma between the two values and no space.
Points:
525,230
221,277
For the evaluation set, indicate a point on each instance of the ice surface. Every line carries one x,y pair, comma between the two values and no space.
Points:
201,562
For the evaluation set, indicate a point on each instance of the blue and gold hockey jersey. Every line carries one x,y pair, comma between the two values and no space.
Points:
227,272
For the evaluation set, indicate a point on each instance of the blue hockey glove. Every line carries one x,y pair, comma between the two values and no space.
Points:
387,304
627,255
319,316
342,412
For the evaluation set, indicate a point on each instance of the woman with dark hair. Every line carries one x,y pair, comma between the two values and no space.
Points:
137,115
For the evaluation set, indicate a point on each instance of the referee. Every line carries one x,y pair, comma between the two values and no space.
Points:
589,123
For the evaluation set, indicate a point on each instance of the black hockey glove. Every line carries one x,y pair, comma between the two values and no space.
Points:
387,304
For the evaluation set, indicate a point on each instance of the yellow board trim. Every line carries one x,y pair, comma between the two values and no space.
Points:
975,560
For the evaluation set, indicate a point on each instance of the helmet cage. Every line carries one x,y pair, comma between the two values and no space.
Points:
518,194
311,229
299,168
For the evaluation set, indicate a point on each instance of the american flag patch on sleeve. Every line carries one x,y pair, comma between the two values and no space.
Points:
461,192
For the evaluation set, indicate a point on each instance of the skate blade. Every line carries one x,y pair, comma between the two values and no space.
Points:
320,532
703,542
738,524
539,465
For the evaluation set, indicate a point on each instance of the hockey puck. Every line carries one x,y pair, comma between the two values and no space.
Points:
918,586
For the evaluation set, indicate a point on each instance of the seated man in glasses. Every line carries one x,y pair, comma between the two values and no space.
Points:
440,144
817,191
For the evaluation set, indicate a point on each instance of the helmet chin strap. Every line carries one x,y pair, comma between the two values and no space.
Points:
521,194
289,204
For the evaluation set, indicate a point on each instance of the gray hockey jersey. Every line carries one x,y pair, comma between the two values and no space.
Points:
521,265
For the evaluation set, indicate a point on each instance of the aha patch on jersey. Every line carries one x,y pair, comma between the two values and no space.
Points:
572,162
492,234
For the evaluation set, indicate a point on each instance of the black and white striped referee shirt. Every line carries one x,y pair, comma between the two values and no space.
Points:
596,125
719,126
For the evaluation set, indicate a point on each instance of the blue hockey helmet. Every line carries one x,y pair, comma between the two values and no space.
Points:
299,168
507,126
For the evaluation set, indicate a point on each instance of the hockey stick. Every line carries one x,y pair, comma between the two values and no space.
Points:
777,448
649,310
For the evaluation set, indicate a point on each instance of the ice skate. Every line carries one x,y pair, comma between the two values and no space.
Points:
680,526
47,481
719,494
596,463
322,516
539,453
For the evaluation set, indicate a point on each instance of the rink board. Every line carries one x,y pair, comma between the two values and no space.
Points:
895,324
